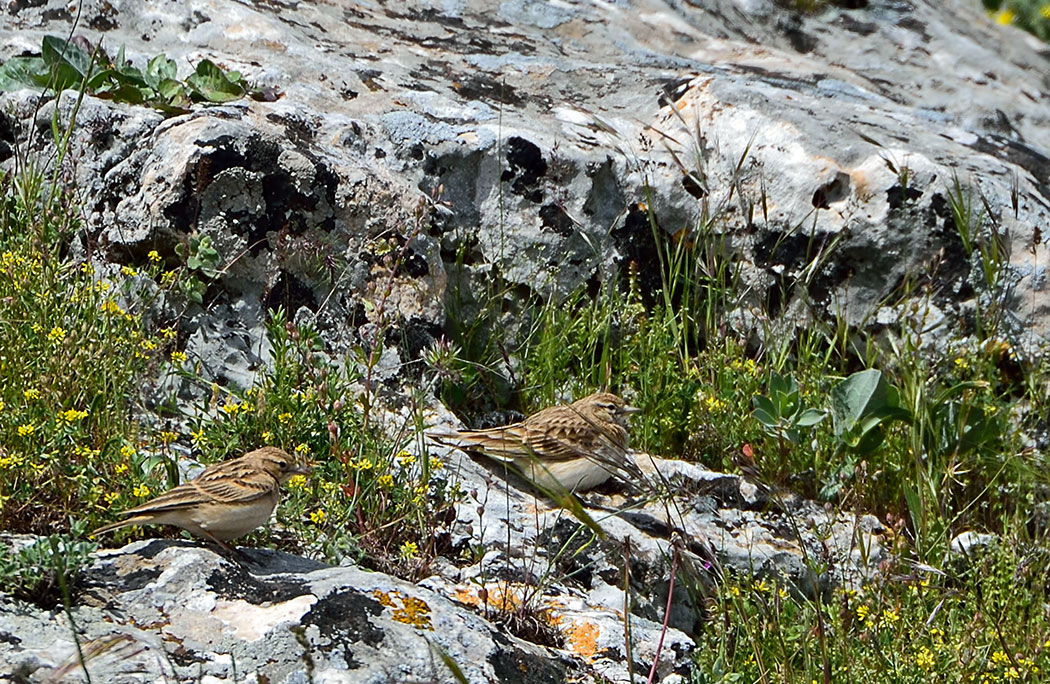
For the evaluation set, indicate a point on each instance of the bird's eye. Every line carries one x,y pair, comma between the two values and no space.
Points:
283,465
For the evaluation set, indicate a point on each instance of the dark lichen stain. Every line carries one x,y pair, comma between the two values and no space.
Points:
345,618
897,196
554,218
184,657
1014,152
526,168
485,87
512,665
235,582
8,638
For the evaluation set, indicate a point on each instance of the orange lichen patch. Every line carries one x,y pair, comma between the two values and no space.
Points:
583,638
468,596
498,596
413,611
383,598
552,616
504,598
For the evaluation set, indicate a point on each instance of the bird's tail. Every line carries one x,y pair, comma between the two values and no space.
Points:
115,526
497,446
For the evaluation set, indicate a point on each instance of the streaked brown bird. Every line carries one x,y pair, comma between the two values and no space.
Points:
575,447
228,500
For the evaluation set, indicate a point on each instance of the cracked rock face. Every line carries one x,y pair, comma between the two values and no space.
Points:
820,149
163,610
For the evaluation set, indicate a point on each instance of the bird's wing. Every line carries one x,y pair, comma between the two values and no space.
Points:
503,443
219,485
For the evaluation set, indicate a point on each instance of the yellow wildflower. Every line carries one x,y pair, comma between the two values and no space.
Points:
129,271
302,448
715,405
25,430
318,516
284,417
297,482
924,659
120,468
110,497
31,394
178,357
57,334
73,415
385,481
153,256
409,550
141,490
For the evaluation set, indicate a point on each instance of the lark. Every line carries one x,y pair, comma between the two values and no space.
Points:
574,447
228,500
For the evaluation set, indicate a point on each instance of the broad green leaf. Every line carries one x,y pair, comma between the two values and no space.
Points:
159,70
810,417
105,80
171,91
209,83
764,417
857,395
69,61
22,72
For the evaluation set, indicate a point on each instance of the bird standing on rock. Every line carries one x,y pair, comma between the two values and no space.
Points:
228,500
574,447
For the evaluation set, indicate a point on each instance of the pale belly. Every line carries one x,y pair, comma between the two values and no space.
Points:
227,522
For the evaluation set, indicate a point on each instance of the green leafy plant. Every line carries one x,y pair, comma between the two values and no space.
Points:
202,262
65,64
782,414
36,572
987,623
861,407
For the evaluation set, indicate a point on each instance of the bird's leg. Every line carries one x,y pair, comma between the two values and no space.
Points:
230,552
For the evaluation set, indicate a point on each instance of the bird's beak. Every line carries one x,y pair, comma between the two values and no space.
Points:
303,468
630,409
